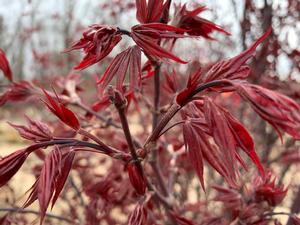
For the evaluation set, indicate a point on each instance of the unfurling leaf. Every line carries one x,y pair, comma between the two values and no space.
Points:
51,180
151,11
36,131
194,24
146,36
16,92
97,42
234,68
266,189
136,178
62,112
195,145
280,111
205,120
128,61
9,165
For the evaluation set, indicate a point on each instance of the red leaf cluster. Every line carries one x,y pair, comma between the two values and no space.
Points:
234,68
191,85
97,42
228,134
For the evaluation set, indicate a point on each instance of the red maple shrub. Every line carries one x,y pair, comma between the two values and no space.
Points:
188,126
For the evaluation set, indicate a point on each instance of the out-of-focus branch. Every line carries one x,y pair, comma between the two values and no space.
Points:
28,211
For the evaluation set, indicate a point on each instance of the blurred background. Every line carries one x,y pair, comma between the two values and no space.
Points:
34,34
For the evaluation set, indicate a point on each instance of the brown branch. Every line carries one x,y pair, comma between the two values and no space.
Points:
25,211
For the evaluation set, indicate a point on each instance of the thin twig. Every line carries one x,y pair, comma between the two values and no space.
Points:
97,115
24,211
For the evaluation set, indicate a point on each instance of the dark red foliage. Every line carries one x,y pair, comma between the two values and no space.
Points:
234,68
228,134
51,180
4,66
148,163
191,85
97,42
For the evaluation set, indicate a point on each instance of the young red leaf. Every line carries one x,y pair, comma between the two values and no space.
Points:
127,61
97,42
4,66
196,137
192,84
33,196
136,178
17,91
46,184
35,131
138,215
61,178
194,24
280,111
234,68
63,113
9,165
228,134
243,139
221,134
146,36
150,11
267,190
194,143
51,180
